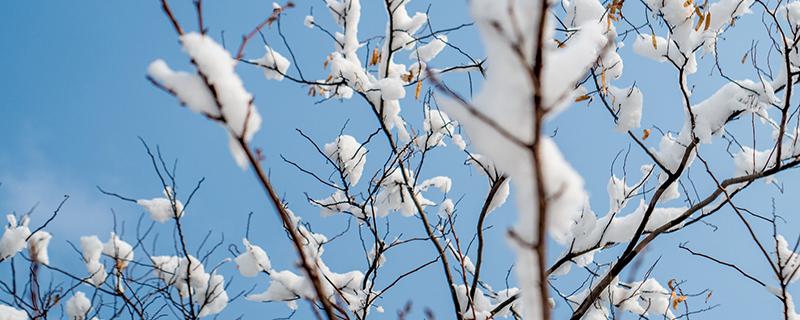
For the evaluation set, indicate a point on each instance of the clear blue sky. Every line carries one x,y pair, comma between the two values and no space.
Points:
74,100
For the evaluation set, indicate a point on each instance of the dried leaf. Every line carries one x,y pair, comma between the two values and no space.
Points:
325,64
699,22
708,21
646,134
653,38
677,300
603,79
582,98
418,90
376,55
744,57
671,285
708,296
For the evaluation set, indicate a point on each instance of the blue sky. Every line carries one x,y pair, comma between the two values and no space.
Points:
75,99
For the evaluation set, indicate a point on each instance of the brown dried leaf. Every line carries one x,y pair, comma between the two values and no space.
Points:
699,22
582,98
653,38
646,134
376,55
677,300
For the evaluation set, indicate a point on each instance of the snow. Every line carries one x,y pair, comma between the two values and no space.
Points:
504,295
620,193
336,203
643,298
580,54
288,287
229,102
446,208
791,311
458,140
214,298
189,88
284,286
391,88
394,195
580,12
121,251
78,306
10,313
189,275
235,102
349,156
500,196
37,246
404,28
440,182
437,126
723,11
710,117
253,260
166,268
92,249
505,98
13,240
381,258
627,104
309,21
482,304
347,14
430,50
788,261
161,209
274,64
